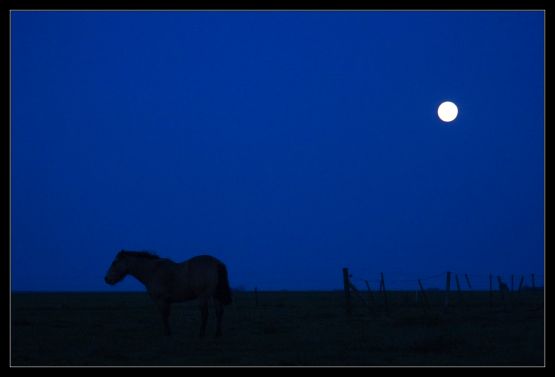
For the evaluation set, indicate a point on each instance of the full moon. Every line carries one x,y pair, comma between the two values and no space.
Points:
447,111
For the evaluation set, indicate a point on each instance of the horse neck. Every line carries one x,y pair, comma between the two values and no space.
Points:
141,269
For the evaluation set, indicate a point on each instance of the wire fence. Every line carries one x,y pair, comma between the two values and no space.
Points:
437,291
398,281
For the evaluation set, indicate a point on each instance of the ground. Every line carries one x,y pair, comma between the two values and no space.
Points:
279,329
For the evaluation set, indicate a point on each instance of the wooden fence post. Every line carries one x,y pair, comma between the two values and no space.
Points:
370,295
416,295
459,288
347,290
447,288
382,285
359,295
490,290
502,288
424,297
468,281
521,283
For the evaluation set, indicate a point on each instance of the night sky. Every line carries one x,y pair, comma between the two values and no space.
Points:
287,144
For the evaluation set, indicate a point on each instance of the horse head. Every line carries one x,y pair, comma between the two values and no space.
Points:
118,269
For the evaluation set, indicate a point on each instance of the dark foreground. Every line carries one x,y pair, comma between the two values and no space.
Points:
284,328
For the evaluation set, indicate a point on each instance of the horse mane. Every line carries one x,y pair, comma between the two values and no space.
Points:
140,254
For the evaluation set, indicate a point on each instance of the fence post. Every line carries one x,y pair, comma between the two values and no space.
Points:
416,295
359,295
521,283
490,290
502,287
459,288
347,290
382,285
424,297
447,288
468,281
370,295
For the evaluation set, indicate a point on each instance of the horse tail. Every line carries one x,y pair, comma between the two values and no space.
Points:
223,292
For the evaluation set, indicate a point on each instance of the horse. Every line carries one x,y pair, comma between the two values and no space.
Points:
202,277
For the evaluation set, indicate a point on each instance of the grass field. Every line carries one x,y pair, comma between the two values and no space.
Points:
284,329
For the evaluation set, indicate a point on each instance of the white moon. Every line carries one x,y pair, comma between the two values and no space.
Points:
447,111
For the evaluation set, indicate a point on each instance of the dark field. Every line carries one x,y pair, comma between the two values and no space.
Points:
284,329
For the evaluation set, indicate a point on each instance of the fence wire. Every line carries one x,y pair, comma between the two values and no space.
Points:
466,281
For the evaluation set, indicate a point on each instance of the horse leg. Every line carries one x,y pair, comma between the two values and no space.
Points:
203,315
164,308
219,315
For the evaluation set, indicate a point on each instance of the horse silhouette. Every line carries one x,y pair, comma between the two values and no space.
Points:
202,277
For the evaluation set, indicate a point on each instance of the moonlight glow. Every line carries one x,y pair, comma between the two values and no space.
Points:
447,111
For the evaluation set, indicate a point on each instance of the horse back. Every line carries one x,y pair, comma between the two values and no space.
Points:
187,280
201,272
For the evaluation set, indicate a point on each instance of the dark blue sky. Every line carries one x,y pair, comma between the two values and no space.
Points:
288,144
